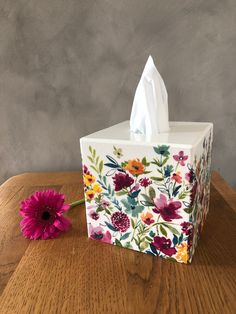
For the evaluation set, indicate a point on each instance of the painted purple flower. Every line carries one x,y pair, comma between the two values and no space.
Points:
104,204
97,233
122,180
120,221
190,237
42,215
94,215
85,170
189,176
145,182
164,245
193,193
186,227
167,210
181,158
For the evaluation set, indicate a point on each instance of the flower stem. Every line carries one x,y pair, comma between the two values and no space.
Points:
79,202
176,166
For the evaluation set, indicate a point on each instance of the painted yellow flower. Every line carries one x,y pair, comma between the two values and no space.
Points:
135,167
117,152
97,188
90,194
89,179
182,252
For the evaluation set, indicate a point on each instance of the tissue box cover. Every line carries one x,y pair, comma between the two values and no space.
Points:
149,194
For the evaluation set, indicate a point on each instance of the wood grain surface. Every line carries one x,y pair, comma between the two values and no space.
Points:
72,274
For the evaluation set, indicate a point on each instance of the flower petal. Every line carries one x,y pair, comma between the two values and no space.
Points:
160,202
62,224
176,157
175,205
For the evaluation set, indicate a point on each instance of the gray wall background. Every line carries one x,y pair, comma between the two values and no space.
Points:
69,68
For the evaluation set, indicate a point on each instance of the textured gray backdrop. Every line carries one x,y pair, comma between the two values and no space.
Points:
70,67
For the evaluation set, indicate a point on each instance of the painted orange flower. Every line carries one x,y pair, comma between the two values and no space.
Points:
90,194
147,218
182,252
97,188
177,177
135,166
89,179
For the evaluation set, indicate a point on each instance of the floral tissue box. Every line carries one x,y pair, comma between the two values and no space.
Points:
149,194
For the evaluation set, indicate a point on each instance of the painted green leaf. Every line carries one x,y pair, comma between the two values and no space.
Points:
172,229
188,210
100,209
134,194
175,240
145,203
163,230
90,158
180,238
144,161
107,211
157,162
152,193
176,190
94,168
117,242
164,161
157,178
147,198
152,233
125,236
105,180
110,226
122,192
146,172
136,241
111,165
182,195
153,249
133,223
101,166
141,228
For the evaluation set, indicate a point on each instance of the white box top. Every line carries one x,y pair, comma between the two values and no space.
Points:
183,134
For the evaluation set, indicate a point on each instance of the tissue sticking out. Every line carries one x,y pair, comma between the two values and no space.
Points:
149,113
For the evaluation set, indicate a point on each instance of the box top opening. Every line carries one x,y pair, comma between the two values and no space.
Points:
180,134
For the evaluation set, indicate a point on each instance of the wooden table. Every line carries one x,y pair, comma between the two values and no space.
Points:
73,274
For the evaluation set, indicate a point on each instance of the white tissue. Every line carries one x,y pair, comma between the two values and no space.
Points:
149,113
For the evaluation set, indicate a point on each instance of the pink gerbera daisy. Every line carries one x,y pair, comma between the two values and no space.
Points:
42,215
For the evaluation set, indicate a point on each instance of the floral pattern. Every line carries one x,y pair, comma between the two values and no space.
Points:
156,204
